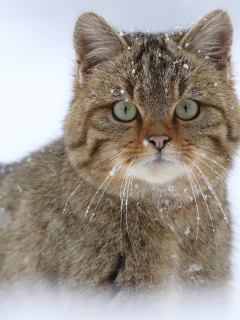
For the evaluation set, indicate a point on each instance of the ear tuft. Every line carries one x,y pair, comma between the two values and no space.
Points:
212,37
95,41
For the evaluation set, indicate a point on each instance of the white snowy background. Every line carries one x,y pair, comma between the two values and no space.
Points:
36,62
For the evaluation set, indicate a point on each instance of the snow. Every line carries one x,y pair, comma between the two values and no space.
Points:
112,171
19,188
194,267
145,142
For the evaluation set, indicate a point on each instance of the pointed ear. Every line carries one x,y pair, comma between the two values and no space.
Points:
95,41
212,37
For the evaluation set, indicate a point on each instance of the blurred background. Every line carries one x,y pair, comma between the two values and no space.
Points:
37,59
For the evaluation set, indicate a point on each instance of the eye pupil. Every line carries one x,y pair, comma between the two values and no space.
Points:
187,109
124,111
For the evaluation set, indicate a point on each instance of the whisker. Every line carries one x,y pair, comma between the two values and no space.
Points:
112,174
122,194
211,168
232,161
216,164
126,203
123,186
109,175
198,216
213,161
106,162
209,186
131,188
121,206
204,198
64,209
218,154
123,197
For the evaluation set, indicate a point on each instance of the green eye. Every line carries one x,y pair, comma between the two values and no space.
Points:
187,109
124,111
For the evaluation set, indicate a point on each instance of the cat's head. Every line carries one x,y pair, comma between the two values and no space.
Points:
150,105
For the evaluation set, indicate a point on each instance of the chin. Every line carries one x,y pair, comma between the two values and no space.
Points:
158,171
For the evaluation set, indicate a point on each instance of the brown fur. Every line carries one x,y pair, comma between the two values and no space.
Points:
48,228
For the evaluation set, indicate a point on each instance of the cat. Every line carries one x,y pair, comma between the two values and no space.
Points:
133,197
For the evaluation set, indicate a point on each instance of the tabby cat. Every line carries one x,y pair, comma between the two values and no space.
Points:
134,195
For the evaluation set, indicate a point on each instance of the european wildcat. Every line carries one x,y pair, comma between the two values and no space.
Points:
134,195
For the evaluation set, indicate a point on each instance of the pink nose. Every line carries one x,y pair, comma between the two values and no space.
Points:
158,141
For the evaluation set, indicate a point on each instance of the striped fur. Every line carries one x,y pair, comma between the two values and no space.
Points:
96,210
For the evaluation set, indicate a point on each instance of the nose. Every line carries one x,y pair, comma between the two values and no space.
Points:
158,141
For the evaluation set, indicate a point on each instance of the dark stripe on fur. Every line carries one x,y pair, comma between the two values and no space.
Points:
97,146
216,142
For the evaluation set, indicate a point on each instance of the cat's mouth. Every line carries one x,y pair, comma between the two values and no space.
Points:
158,169
159,159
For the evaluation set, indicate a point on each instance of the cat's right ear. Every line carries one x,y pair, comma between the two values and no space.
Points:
94,41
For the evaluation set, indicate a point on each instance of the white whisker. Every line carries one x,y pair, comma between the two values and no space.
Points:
112,176
121,206
64,209
237,193
211,168
109,175
192,186
209,186
213,161
131,188
126,203
204,198
123,196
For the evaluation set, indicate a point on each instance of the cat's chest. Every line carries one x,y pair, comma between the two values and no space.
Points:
128,220
138,241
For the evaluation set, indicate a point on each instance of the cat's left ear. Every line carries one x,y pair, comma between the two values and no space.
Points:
95,41
211,38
